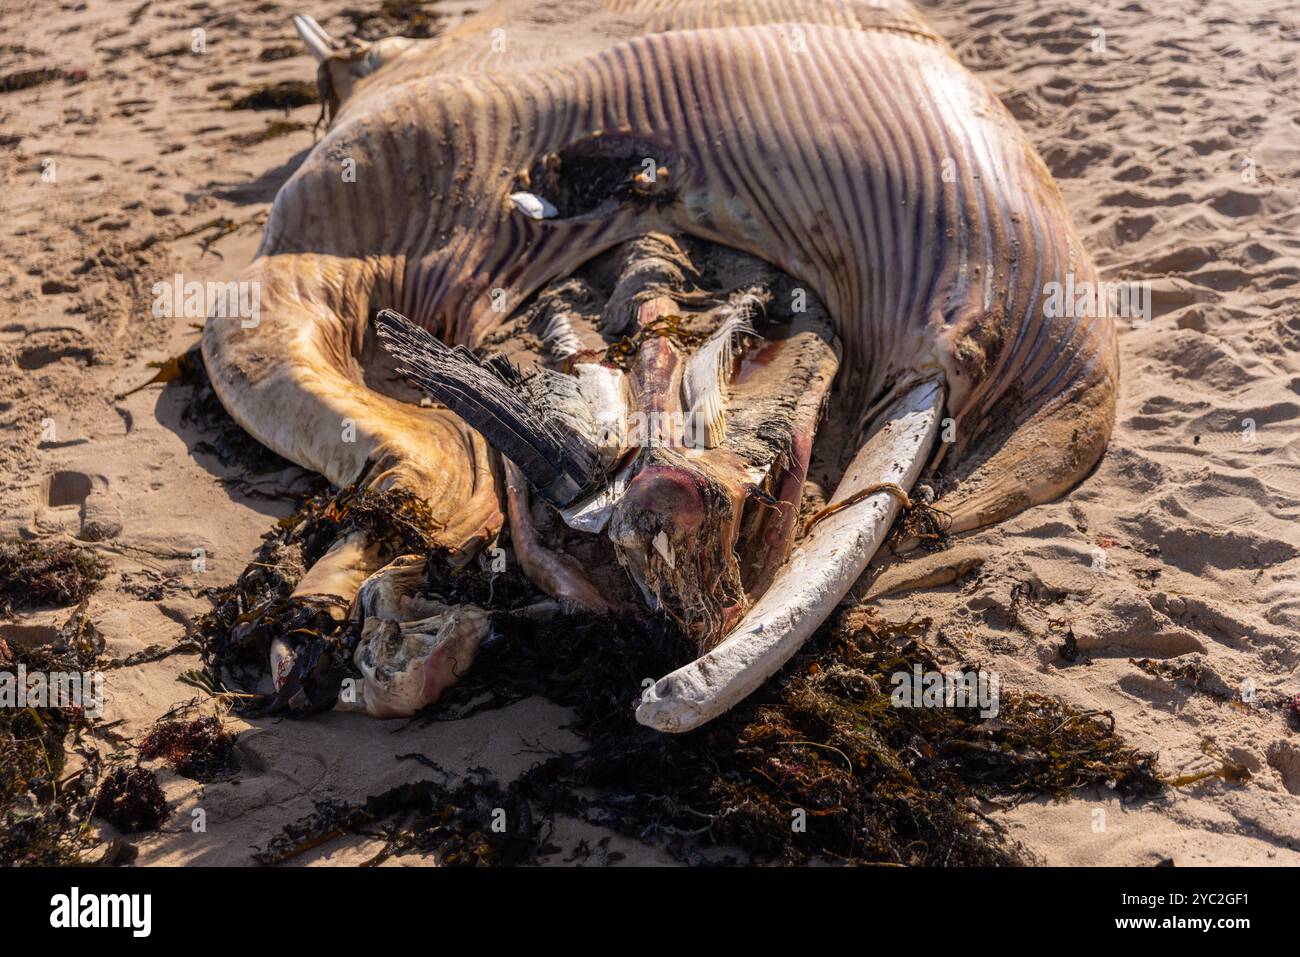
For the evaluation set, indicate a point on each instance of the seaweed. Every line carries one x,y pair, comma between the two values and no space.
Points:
875,783
130,798
925,523
395,18
200,749
818,765
217,229
1228,771
228,634
622,353
285,95
283,51
272,130
1190,674
26,79
246,617
398,520
39,574
154,652
476,822
44,808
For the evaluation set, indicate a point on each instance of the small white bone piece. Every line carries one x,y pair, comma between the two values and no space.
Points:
819,573
314,36
665,549
533,206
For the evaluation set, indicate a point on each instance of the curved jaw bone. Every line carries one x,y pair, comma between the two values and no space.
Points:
819,573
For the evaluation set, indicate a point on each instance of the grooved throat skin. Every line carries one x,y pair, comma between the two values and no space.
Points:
842,144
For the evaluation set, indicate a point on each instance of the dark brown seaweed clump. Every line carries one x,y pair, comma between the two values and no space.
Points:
395,18
474,823
272,130
37,574
40,808
26,79
929,526
43,805
817,766
821,747
130,799
284,95
283,51
200,749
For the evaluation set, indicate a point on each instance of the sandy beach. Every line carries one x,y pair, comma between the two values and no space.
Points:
1170,576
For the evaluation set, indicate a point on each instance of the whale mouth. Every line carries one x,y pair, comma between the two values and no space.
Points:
665,397
663,401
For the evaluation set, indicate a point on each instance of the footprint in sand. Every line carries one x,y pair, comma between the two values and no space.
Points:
1129,626
79,504
38,357
1284,757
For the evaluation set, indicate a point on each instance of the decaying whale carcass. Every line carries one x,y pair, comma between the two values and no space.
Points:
630,257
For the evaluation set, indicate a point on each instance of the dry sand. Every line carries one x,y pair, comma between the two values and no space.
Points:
1176,149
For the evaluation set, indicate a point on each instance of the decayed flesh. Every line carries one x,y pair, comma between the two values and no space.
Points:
701,408
412,648
824,567
841,143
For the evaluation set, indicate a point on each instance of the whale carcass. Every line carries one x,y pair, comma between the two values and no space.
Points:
636,268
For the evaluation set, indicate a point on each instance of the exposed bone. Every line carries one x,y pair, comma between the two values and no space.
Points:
604,389
592,514
412,648
314,36
342,569
533,206
820,572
